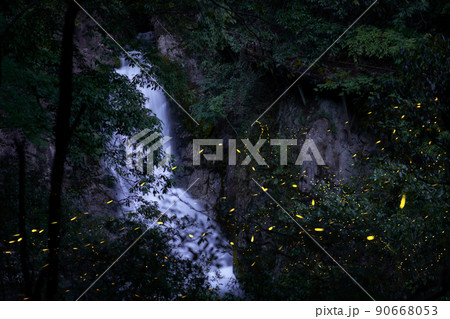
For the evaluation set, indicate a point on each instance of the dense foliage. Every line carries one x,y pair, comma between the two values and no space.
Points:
105,106
387,226
393,68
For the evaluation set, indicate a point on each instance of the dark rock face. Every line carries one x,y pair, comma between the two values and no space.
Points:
327,123
147,36
90,45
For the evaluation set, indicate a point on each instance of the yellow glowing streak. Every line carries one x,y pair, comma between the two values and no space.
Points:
403,201
370,237
318,229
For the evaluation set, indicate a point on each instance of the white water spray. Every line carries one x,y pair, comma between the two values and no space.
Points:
199,238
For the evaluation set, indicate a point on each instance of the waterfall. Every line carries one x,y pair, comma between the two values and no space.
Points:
196,235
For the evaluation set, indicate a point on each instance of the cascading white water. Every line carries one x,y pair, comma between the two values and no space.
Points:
199,238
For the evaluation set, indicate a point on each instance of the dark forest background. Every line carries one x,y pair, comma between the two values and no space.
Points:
62,103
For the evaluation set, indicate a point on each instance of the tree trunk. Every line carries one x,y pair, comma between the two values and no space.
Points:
62,136
24,257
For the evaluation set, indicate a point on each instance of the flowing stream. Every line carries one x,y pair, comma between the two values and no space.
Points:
195,235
